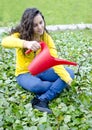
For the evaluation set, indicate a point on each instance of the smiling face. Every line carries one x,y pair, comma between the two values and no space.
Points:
38,25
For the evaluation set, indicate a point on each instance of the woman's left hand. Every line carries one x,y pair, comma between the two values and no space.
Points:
69,82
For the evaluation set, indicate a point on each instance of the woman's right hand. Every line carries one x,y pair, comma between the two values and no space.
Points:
31,45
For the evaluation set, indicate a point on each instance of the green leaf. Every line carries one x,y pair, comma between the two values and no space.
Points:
67,118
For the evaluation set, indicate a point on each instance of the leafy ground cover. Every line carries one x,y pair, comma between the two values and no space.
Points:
72,110
55,12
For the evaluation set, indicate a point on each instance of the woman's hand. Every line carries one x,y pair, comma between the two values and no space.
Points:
31,45
70,81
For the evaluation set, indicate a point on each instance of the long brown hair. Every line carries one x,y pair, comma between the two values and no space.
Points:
25,28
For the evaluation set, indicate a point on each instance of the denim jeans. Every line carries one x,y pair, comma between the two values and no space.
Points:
47,85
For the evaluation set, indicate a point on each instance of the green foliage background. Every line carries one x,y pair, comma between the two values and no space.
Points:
72,110
55,11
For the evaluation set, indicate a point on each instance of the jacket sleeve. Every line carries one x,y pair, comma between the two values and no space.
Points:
12,41
59,69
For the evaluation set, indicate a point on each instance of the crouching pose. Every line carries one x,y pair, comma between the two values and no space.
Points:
27,35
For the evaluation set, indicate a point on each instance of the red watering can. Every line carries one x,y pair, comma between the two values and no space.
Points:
44,60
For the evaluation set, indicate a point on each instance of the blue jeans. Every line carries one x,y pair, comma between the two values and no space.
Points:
47,85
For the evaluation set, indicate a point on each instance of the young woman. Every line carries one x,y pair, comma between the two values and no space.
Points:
27,35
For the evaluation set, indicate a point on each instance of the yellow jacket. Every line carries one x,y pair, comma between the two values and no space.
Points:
23,60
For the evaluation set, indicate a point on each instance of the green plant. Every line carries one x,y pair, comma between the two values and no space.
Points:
72,110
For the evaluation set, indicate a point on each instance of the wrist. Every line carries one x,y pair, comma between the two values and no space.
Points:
24,44
69,82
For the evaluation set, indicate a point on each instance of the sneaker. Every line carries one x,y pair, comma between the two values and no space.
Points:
41,105
34,100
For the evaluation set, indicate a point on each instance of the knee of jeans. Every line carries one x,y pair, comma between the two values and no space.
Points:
71,72
35,87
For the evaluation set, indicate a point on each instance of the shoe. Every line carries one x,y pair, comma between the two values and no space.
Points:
34,100
41,105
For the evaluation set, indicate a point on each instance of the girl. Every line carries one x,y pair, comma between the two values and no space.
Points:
27,35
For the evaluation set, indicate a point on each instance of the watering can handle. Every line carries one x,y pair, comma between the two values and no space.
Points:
28,51
42,45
